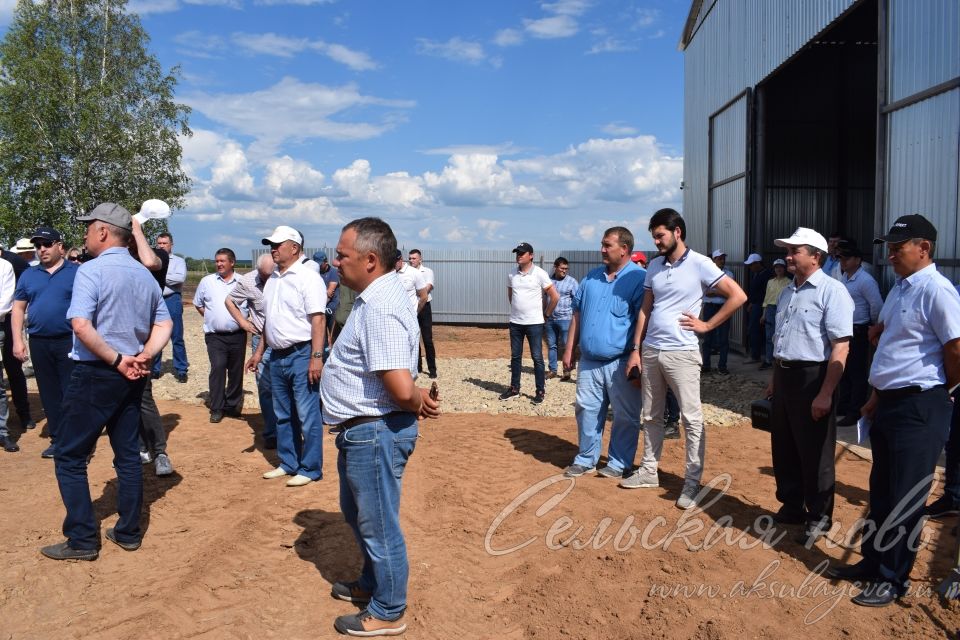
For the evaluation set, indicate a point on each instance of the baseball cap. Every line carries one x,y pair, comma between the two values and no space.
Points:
319,257
717,253
780,261
848,250
152,209
802,236
283,233
753,257
24,244
46,233
399,255
111,213
523,247
909,227
638,256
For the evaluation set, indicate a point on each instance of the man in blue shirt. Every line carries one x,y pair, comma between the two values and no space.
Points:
604,317
916,366
558,322
119,324
44,292
719,338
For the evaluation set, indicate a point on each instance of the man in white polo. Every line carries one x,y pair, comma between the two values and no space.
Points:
294,308
667,328
413,283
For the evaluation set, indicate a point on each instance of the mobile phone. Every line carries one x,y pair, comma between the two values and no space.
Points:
434,391
634,373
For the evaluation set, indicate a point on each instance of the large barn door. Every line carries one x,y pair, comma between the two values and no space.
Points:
728,201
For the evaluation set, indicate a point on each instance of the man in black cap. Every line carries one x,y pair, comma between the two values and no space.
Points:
526,286
44,291
916,366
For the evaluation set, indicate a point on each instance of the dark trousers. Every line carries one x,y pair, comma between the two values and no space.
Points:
52,368
907,435
16,381
97,396
174,304
952,480
853,388
534,335
425,320
153,437
719,338
226,352
755,330
803,448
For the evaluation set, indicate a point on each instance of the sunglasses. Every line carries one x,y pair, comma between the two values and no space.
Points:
73,258
46,244
275,245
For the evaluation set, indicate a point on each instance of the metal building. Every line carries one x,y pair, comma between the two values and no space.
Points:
840,115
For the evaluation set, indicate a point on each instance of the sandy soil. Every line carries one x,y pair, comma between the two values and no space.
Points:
500,545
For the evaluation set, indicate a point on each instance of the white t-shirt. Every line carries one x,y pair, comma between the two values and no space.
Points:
677,288
288,301
526,306
412,281
427,274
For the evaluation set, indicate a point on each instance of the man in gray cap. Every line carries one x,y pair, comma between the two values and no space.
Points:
119,324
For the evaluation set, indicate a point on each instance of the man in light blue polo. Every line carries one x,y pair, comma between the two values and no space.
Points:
604,317
667,328
119,324
558,322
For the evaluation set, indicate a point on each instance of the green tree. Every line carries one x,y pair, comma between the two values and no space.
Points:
87,115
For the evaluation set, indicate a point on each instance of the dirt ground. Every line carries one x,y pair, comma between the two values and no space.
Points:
500,545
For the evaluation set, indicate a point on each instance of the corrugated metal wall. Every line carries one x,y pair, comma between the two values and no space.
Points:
924,45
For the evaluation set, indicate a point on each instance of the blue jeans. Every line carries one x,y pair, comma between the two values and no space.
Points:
174,304
534,336
296,404
264,391
719,337
769,328
371,460
556,339
951,483
97,396
52,368
599,385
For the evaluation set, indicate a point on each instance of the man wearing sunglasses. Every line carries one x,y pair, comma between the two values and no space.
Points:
44,292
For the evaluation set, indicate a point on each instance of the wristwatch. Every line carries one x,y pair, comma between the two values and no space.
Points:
318,354
634,347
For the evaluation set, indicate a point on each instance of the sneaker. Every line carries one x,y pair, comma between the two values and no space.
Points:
671,430
126,546
577,470
539,397
607,472
145,457
49,452
551,375
723,371
942,507
363,624
350,592
512,392
641,480
279,472
688,496
162,465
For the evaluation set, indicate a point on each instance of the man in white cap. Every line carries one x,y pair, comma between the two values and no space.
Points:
756,289
719,337
294,308
25,249
810,344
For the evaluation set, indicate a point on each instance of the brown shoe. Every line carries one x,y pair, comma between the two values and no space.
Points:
365,625
350,592
551,375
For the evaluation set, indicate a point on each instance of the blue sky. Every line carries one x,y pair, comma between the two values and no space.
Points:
463,124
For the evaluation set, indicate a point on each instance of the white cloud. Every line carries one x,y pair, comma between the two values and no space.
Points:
587,232
508,38
230,4
200,150
490,227
566,7
200,45
424,234
456,49
610,45
295,110
272,44
356,60
478,179
144,7
303,3
506,148
560,26
393,190
618,129
230,177
289,178
646,18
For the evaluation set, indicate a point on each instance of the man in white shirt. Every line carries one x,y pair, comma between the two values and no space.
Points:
413,284
425,316
226,341
526,286
173,298
667,328
6,304
294,308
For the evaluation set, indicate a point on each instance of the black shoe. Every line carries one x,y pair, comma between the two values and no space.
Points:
49,452
789,516
765,366
853,572
269,443
848,421
876,594
216,416
433,375
350,592
233,413
512,392
9,445
705,370
671,431
181,377
539,397
364,624
126,546
30,424
812,532
942,507
155,376
64,551
723,371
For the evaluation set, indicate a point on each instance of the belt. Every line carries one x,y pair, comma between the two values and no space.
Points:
175,293
228,333
353,422
61,336
283,353
903,392
798,364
